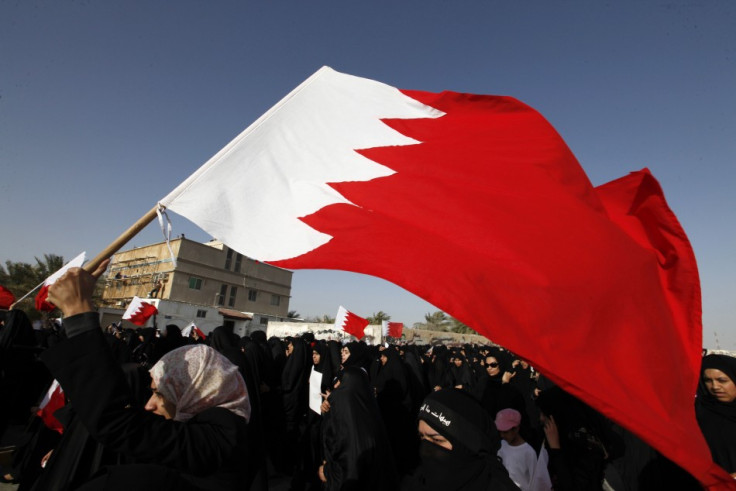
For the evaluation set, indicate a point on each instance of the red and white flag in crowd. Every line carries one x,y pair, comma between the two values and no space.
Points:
187,331
53,400
41,300
139,311
6,298
350,323
192,328
392,329
476,204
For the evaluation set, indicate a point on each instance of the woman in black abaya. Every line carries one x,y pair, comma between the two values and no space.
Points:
310,445
356,354
458,447
395,403
356,448
493,389
224,337
462,375
294,395
715,408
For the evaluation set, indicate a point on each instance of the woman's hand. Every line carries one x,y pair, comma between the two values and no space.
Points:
72,293
551,432
325,406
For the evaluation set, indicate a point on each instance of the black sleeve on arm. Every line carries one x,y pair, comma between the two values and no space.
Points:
77,324
96,386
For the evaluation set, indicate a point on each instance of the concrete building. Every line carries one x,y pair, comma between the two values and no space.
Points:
211,276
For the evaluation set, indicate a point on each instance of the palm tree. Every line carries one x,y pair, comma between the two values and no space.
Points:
460,328
436,321
51,264
293,314
379,317
20,278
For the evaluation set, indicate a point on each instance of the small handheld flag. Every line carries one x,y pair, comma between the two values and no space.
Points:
42,302
350,323
392,329
138,312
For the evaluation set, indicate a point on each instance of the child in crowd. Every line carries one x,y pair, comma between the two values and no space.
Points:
519,458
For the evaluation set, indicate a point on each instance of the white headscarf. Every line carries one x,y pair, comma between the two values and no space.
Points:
197,377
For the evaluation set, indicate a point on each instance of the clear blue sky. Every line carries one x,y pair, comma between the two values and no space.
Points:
106,106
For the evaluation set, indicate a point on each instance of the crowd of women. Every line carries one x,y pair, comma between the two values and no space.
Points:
154,410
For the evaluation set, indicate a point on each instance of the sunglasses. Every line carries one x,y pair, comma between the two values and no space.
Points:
493,365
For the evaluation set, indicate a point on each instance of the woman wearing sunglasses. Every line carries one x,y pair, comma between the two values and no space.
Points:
493,389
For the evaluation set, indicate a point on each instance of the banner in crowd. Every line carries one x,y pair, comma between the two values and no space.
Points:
475,204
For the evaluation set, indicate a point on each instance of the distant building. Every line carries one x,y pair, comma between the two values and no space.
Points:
212,276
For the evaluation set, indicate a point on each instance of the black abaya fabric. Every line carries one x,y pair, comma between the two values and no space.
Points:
223,337
356,448
294,384
394,402
359,355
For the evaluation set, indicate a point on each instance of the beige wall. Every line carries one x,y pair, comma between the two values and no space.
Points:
201,266
139,268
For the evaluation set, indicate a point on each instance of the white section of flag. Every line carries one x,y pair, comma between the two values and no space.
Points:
341,318
277,170
540,480
49,394
136,305
187,331
77,262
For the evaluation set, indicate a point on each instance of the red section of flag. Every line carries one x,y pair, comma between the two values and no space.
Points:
199,332
53,400
354,325
42,302
6,298
144,312
531,258
395,329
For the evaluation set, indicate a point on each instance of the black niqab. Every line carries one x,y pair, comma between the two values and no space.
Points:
472,463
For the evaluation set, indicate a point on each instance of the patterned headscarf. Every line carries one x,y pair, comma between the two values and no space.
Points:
197,377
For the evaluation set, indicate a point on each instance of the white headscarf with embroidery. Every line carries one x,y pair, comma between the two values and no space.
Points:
195,378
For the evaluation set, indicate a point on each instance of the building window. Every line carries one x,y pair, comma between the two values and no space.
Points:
195,283
233,292
238,261
264,321
275,300
229,258
221,295
252,294
201,314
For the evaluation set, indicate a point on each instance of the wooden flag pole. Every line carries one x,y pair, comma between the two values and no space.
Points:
110,249
121,240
